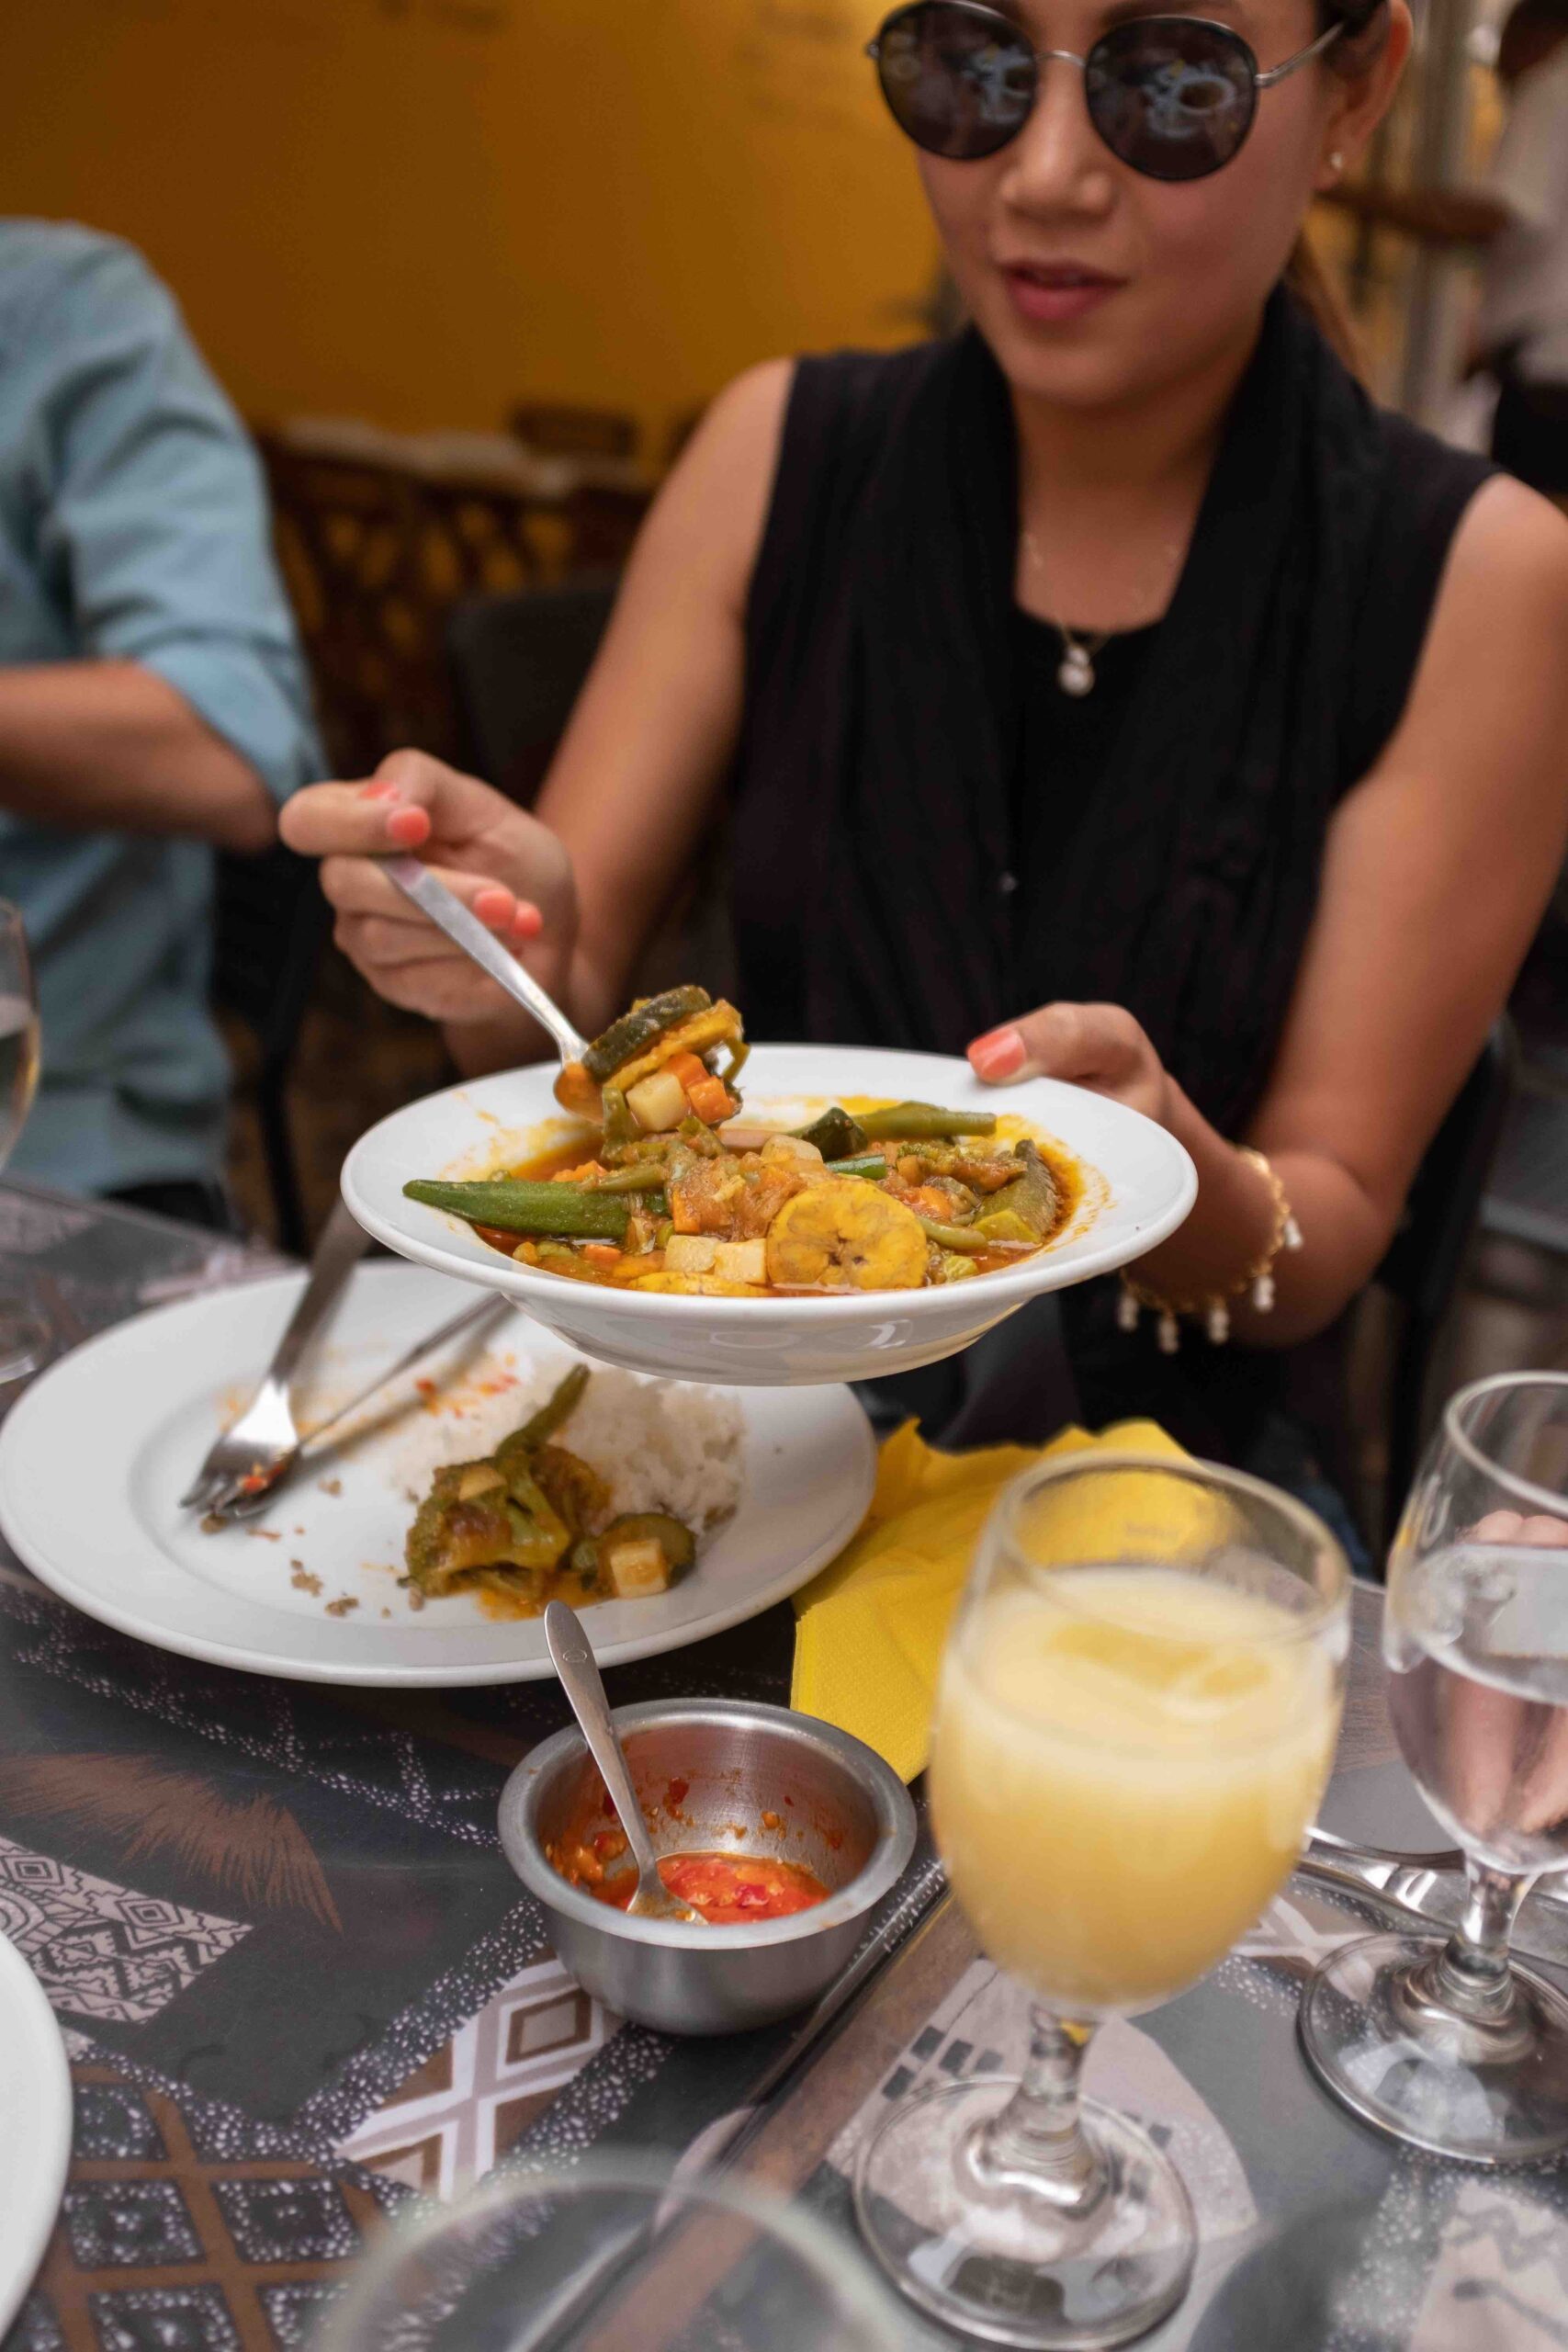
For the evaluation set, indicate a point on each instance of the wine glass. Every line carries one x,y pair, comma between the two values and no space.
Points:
1448,2043
1136,1718
23,1339
610,2254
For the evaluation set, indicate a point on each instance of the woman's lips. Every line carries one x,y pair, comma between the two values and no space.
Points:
1052,293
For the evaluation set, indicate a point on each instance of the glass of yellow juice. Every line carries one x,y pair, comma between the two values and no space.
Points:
1139,1701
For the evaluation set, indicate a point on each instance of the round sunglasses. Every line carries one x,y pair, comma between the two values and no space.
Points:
1171,97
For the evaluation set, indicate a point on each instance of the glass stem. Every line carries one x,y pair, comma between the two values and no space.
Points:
1473,1974
1038,2141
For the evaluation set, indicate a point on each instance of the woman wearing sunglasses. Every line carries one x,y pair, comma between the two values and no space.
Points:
1111,692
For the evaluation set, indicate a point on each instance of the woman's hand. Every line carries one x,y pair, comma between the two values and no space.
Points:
509,868
1097,1046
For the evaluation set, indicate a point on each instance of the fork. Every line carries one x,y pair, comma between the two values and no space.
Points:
259,1486
446,911
1406,1877
265,1429
1429,1887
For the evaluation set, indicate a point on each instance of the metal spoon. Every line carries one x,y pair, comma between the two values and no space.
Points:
465,930
573,1654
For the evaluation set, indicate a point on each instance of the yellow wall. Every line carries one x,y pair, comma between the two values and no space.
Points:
418,210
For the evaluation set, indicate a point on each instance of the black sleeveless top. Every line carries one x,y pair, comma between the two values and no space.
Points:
1375,502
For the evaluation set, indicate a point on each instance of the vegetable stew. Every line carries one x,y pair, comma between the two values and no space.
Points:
673,1188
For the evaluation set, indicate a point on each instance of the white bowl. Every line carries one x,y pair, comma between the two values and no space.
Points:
1139,1185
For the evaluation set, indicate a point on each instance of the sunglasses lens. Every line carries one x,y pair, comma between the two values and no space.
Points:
1171,97
957,80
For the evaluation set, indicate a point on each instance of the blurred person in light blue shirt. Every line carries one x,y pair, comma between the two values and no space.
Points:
154,706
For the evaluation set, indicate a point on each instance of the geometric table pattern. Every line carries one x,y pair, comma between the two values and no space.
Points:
457,2114
102,1951
162,2245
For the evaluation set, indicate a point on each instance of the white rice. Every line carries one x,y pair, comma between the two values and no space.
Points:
659,1444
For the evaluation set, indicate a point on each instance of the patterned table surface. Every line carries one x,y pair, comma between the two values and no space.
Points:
298,1980
299,1985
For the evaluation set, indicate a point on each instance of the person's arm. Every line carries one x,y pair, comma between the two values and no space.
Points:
111,746
1439,866
579,889
1437,216
187,710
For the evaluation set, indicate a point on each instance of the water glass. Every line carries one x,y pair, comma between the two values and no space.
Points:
1446,2042
612,2254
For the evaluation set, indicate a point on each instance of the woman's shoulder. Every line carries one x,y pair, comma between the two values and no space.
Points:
1427,482
1420,535
1508,560
1452,522
832,400
1488,702
862,389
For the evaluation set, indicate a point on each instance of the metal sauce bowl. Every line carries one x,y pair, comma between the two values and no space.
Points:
842,1813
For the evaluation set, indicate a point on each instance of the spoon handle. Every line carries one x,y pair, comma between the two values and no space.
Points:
448,913
574,1661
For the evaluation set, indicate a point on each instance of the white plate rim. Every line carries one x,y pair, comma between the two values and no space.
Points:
1041,1101
39,1399
25,2228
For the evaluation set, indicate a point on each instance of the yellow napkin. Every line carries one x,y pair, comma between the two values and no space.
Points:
870,1629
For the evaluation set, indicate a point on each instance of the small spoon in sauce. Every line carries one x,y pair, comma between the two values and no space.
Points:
572,1655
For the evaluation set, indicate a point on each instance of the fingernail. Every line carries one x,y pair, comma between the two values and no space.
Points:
377,792
999,1054
408,827
495,908
527,922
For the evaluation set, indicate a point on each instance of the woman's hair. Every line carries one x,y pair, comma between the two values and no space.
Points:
1365,29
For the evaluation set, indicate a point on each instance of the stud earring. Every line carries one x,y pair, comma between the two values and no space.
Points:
1335,161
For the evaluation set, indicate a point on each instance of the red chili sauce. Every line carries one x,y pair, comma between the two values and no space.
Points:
723,1889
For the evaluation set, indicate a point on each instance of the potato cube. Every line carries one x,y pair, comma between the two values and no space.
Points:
690,1253
658,1102
791,1151
638,1569
743,1261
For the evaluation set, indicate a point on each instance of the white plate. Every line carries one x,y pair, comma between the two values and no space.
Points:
35,2144
1141,1186
95,1456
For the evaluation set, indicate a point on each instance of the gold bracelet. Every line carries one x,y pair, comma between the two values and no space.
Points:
1213,1306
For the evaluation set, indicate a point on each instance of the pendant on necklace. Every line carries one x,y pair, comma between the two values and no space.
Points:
1075,674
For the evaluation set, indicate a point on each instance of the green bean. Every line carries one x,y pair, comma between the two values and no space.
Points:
513,1205
872,1165
620,1128
951,1237
914,1119
558,1407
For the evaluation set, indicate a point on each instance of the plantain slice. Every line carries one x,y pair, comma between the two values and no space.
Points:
845,1235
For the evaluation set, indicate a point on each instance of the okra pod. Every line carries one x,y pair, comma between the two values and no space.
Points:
515,1205
951,1237
914,1119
